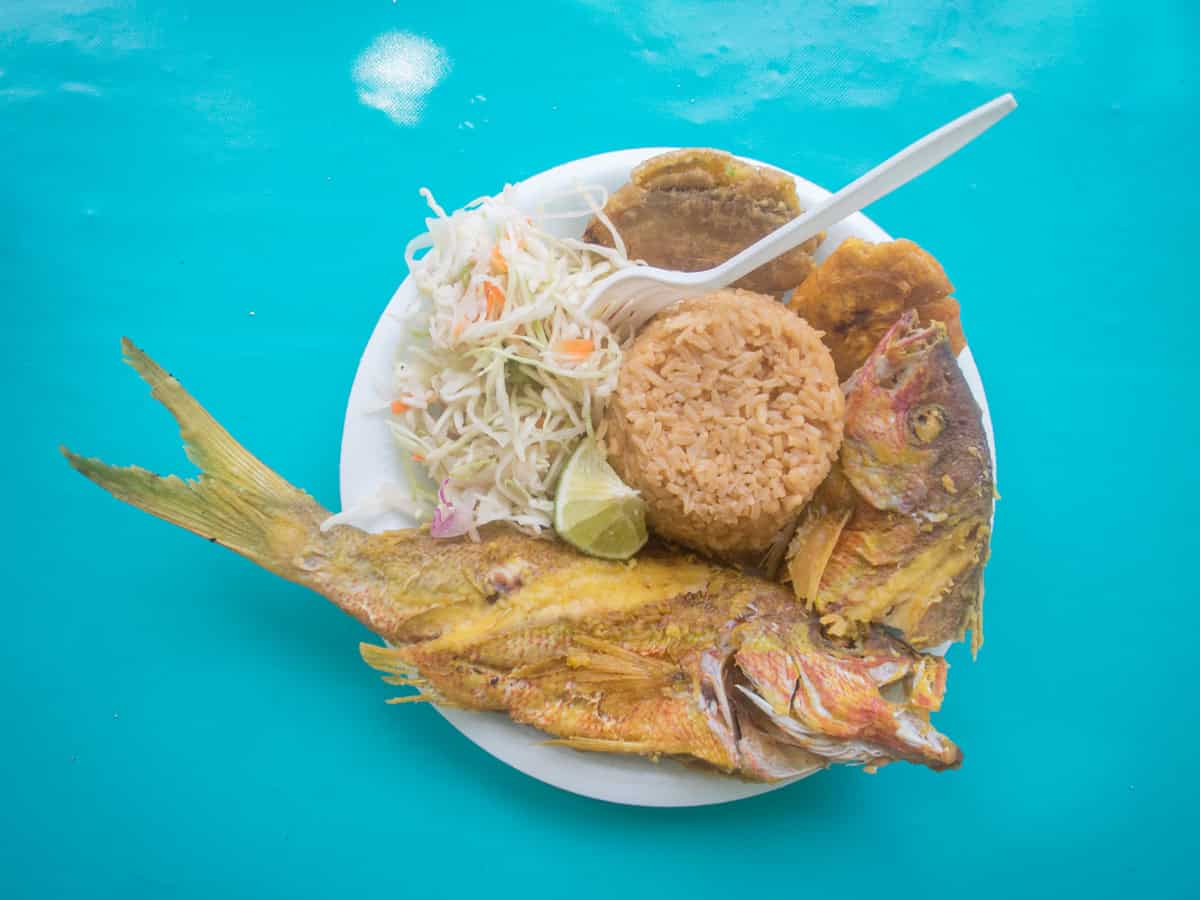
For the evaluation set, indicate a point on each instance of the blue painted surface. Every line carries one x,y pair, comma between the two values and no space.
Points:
178,723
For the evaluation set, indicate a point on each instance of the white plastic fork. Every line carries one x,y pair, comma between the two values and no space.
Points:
629,298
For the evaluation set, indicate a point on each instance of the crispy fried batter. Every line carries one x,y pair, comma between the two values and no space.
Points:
689,210
860,291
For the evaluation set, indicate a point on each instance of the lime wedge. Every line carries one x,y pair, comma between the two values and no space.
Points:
595,510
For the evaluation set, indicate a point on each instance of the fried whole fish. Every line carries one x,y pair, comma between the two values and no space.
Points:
662,656
898,534
693,209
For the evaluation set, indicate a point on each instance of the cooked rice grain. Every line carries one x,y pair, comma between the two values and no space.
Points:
727,416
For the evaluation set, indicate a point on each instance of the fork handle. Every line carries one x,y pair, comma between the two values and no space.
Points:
906,165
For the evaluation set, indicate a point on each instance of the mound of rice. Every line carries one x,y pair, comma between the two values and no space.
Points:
727,416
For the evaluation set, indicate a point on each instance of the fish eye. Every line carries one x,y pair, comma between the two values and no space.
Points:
926,422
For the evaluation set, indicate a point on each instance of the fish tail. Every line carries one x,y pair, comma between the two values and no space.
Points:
237,501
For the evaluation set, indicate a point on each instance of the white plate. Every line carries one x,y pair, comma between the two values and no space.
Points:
370,458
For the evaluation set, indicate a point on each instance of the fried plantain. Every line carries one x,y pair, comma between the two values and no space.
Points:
862,289
693,209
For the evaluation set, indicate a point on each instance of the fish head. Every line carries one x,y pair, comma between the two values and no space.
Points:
747,737
913,432
787,687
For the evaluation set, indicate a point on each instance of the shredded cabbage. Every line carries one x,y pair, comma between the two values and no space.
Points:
502,374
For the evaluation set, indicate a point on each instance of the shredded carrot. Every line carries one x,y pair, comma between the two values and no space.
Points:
399,406
495,299
459,326
499,263
417,457
577,347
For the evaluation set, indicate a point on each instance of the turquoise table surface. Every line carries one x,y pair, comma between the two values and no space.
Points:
232,184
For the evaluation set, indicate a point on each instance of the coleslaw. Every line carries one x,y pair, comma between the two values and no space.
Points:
501,375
